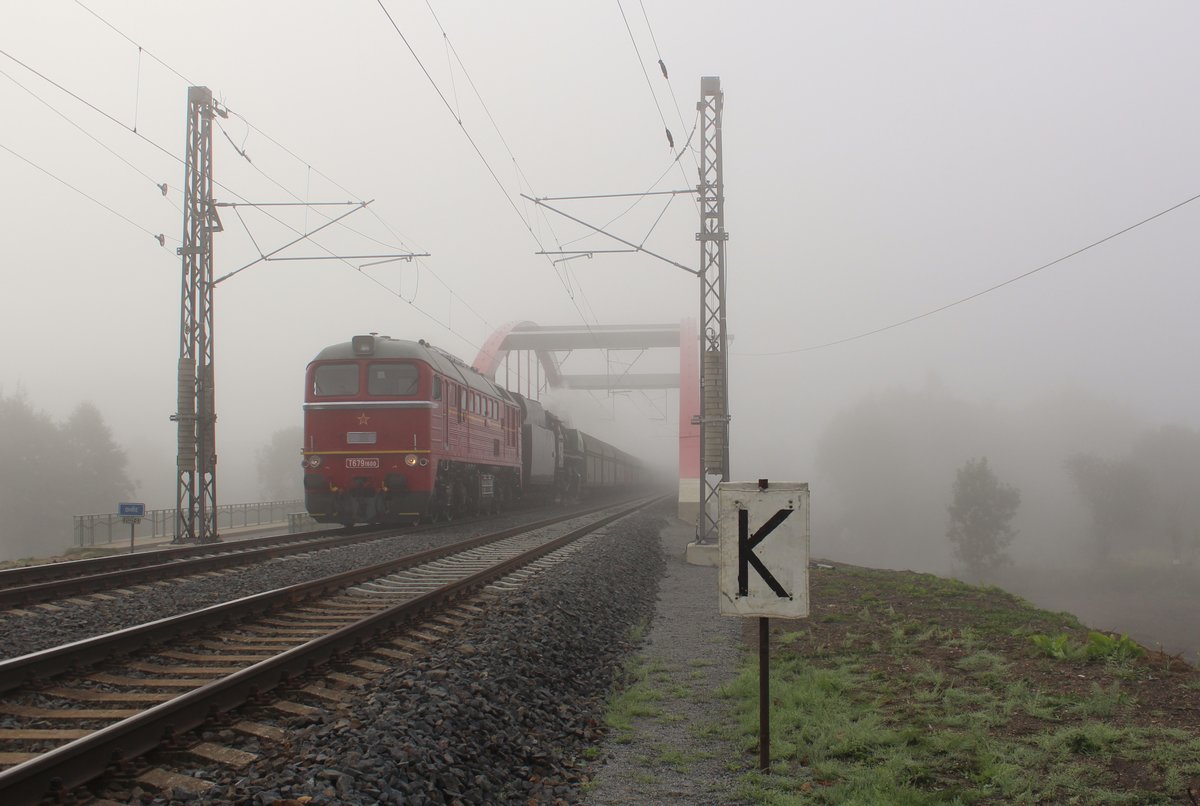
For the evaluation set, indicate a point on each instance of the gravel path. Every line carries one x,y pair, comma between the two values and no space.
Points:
681,755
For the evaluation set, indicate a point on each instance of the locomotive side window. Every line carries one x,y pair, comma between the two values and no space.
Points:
335,379
437,387
392,380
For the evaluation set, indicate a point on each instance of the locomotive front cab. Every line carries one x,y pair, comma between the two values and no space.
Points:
367,428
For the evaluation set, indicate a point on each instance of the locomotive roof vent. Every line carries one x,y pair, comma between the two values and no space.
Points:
363,345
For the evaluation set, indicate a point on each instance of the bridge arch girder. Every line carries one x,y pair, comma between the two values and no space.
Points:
546,341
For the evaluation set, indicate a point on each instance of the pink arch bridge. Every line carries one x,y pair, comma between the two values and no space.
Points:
535,350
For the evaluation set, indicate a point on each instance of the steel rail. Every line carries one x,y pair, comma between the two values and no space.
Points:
140,574
83,760
19,671
50,581
50,571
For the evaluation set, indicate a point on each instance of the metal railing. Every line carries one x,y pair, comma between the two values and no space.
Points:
109,528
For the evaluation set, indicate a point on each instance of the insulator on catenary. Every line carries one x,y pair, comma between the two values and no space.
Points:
663,67
670,139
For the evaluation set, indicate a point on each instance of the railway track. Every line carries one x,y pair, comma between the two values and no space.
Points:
31,585
61,727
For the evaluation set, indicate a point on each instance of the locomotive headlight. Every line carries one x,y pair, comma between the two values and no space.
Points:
313,461
424,461
411,460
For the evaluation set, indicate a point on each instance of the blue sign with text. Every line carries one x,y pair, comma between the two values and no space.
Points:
127,510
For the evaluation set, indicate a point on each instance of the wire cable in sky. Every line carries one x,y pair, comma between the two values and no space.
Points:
662,64
641,196
156,236
507,196
161,186
180,160
90,105
637,52
523,180
135,44
240,150
977,294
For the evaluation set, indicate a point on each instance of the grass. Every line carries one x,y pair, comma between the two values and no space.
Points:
639,699
909,689
927,691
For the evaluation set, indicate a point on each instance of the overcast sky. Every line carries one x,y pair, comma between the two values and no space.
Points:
881,160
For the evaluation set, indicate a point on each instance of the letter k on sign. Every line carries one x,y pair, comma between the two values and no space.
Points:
747,557
763,553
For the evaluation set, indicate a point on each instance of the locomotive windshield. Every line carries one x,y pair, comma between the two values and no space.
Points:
335,379
392,380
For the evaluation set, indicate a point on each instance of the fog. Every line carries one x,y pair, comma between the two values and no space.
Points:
881,161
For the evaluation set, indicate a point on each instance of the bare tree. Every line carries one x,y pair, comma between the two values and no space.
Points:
981,514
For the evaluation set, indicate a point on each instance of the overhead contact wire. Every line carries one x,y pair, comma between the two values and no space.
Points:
478,152
161,186
156,236
978,294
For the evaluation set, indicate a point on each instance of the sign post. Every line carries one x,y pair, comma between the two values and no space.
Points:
131,513
763,569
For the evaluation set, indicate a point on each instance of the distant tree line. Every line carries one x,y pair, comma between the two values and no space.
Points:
1145,498
279,475
50,471
1096,486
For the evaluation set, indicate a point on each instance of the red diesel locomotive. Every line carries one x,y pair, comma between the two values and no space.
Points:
398,431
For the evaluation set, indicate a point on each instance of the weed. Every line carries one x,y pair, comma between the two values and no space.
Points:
1059,647
674,758
986,667
1099,646
1102,702
1102,646
638,700
638,631
1087,739
968,638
